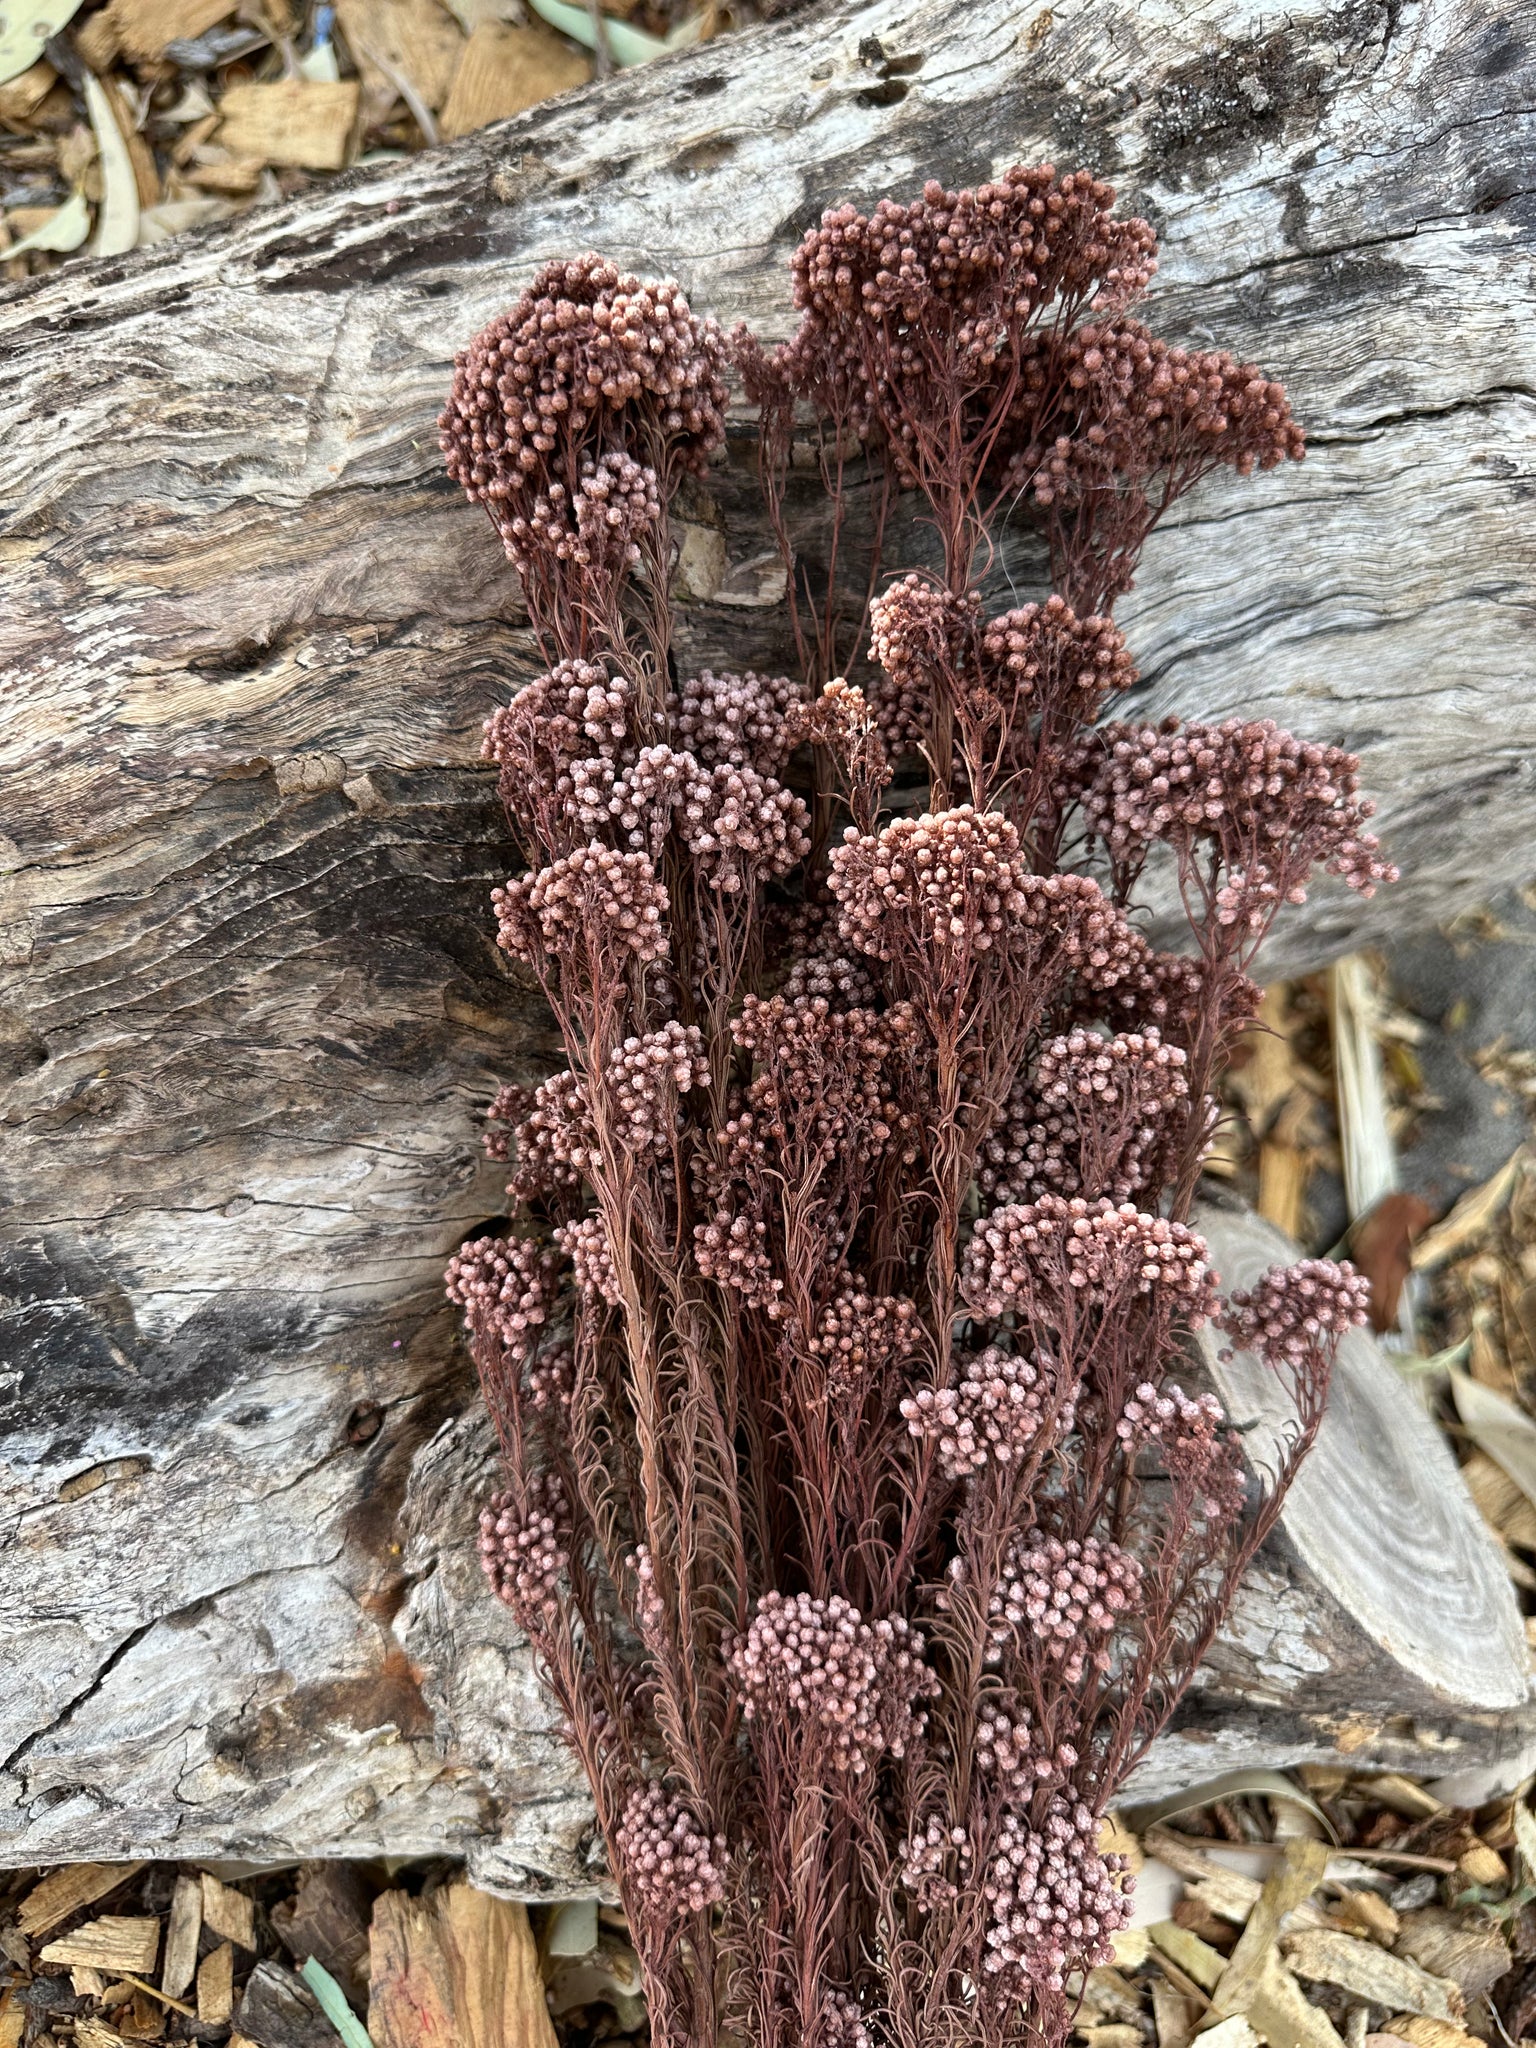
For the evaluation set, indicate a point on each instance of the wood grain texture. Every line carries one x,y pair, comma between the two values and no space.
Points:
248,997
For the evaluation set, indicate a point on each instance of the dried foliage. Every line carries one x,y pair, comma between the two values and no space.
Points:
853,1500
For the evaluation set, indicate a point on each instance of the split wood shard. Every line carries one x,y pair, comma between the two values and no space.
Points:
186,1921
110,1943
216,1986
230,1914
65,1891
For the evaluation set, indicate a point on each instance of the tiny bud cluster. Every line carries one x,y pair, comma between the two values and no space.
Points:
1046,656
861,1337
524,1548
817,1664
733,720
666,1857
1097,1113
1068,1597
608,899
647,1074
505,1285
585,355
957,880
921,635
1020,1256
740,826
1293,1312
1275,806
994,1412
1197,1450
842,2023
1009,1752
928,1856
585,1243
1054,1901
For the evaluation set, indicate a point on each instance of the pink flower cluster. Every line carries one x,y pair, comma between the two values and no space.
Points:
924,639
646,1075
1068,1596
842,2023
611,900
731,1248
666,1857
506,1286
1293,1313
1139,406
635,798
820,1079
555,1142
818,1665
952,284
1010,1754
1273,806
585,1243
731,720
1198,1451
576,709
1095,1116
741,826
551,1382
1043,656
1054,1901
1021,1256
954,882
928,1855
524,1548
994,1411
860,1337
586,356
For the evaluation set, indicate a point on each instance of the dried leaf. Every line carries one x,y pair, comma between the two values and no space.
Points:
117,219
1506,1433
1196,1958
1382,1248
333,2003
1294,1881
1469,1220
1230,1785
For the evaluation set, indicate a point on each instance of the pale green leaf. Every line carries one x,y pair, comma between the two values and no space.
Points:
25,25
60,232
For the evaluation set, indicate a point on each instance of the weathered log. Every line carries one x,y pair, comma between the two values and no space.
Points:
248,999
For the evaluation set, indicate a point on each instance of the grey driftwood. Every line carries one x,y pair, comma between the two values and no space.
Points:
249,1005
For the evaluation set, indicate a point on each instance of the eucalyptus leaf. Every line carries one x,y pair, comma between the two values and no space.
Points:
1230,1785
333,2003
60,232
1506,1433
25,25
117,220
626,45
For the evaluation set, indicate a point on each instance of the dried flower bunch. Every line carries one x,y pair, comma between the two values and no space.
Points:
854,1500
